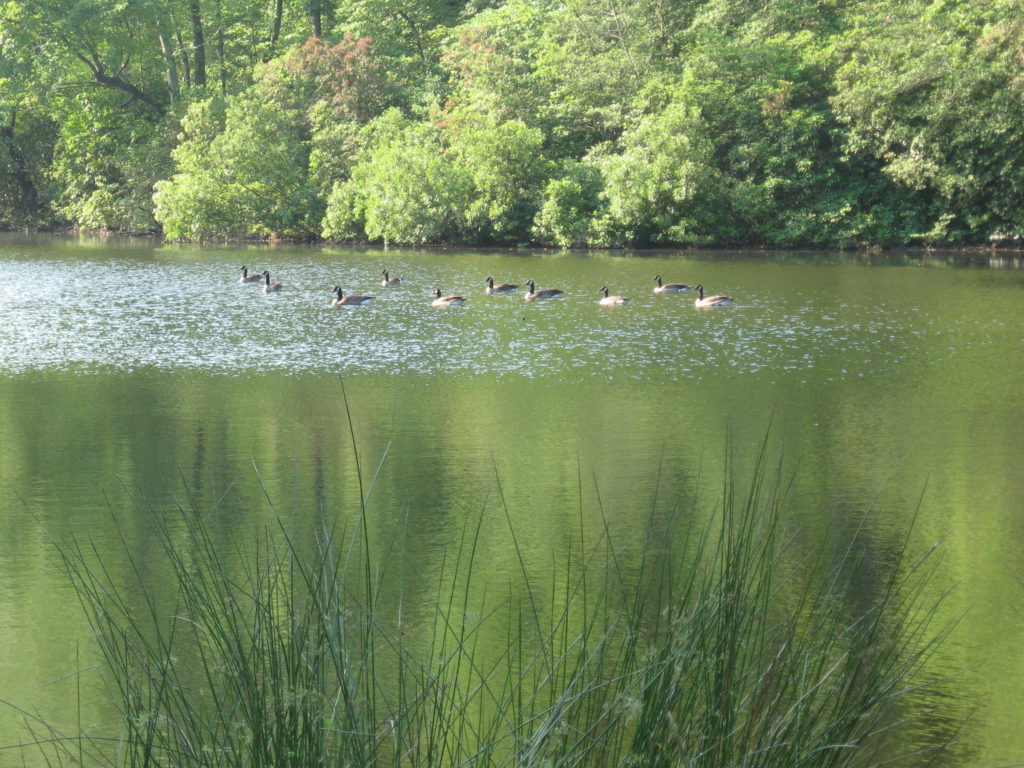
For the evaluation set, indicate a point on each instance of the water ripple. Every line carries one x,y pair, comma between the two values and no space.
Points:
118,313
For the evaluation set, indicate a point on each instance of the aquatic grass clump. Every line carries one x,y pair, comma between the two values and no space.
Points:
701,643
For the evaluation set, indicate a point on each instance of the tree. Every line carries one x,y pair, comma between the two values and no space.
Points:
403,189
569,204
345,76
491,63
260,163
405,34
25,140
115,48
104,165
662,186
247,180
934,91
505,164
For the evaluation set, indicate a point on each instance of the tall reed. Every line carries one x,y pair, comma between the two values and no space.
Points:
702,645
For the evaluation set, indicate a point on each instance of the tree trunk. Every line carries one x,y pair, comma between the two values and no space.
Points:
167,48
414,33
186,68
315,14
220,50
275,31
198,43
118,81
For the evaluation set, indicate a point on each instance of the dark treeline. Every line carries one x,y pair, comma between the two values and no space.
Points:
577,122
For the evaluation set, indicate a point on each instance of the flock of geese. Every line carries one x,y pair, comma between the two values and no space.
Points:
353,300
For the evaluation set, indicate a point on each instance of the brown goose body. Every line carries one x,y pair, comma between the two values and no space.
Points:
349,301
269,287
445,301
610,301
500,288
250,277
704,302
669,287
546,293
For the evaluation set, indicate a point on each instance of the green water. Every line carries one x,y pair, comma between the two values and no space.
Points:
134,376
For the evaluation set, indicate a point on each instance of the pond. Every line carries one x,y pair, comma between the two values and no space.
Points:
136,376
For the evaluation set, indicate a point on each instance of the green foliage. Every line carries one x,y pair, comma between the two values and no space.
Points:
506,167
344,76
937,95
105,164
334,148
187,204
26,152
407,35
595,57
470,178
662,186
568,206
27,132
248,179
261,164
764,106
491,63
588,122
696,644
403,188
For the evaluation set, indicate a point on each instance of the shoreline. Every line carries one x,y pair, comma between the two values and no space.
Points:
1003,245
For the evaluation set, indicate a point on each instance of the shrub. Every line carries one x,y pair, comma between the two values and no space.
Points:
696,644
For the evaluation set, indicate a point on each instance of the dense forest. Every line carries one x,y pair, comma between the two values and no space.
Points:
548,122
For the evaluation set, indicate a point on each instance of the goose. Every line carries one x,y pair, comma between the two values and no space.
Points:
547,293
609,301
270,287
388,282
710,301
349,301
445,301
500,288
669,287
250,277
